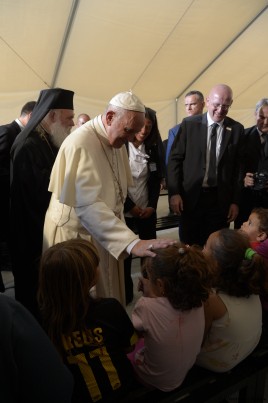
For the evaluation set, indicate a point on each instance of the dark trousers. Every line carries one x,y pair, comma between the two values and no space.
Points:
207,217
5,260
2,285
25,271
145,228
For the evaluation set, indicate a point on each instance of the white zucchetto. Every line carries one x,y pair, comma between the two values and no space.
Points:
129,101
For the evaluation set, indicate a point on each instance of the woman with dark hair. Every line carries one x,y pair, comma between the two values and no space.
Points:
233,311
91,334
146,159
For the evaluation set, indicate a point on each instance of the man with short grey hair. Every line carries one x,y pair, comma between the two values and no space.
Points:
254,171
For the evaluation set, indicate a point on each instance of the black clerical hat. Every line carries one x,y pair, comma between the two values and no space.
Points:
55,98
52,98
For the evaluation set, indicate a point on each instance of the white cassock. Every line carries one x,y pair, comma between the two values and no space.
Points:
89,182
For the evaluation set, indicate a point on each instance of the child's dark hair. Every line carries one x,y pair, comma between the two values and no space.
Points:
262,215
237,275
67,271
186,273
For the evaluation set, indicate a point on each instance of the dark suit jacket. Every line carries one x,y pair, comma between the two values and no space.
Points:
187,163
8,133
172,133
253,160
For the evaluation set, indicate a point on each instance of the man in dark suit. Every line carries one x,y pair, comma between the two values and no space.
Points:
194,104
255,192
203,169
8,133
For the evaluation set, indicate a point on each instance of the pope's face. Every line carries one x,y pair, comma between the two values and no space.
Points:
122,126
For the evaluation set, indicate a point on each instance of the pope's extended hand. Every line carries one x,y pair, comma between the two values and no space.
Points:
146,247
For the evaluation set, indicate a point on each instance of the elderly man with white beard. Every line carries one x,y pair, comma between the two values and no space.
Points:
32,157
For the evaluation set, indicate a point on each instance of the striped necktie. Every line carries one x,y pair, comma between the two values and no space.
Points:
212,168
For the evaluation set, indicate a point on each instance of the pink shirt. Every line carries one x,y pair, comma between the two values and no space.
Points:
172,340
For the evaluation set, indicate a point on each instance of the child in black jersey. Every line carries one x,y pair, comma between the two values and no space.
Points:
92,335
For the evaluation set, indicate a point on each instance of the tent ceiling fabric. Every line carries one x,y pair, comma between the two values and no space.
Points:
160,49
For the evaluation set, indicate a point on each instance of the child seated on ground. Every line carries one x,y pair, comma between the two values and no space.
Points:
256,229
170,315
233,311
91,335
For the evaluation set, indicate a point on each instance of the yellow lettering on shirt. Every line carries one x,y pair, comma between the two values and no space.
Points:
79,339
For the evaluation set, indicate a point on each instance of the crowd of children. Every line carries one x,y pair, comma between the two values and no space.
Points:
198,307
233,310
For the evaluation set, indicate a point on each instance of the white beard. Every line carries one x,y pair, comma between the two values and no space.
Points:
58,133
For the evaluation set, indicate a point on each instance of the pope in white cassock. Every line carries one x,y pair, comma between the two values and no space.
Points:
89,182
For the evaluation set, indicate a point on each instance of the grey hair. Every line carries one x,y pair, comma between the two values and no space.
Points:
262,102
119,111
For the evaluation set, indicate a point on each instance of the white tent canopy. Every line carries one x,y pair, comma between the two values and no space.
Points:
159,49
